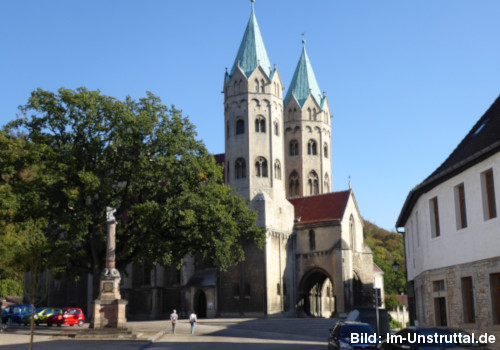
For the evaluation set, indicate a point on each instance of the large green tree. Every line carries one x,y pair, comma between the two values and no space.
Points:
143,159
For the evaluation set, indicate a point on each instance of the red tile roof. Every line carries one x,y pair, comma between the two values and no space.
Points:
320,208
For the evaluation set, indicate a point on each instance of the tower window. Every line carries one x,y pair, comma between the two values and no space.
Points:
313,183
257,86
325,150
294,148
277,169
240,127
262,84
312,148
326,183
312,240
260,124
293,184
261,167
240,168
276,129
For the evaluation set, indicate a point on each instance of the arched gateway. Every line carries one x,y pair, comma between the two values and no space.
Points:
316,294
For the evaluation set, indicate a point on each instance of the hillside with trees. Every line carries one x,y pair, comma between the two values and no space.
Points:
387,248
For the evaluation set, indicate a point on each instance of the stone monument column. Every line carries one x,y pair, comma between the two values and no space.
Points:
109,308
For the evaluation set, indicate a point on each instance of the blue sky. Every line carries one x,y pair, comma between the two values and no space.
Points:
405,80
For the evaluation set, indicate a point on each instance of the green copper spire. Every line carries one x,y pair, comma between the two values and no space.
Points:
252,51
304,81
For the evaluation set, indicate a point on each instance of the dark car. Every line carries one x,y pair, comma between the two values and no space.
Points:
70,316
352,335
19,312
415,338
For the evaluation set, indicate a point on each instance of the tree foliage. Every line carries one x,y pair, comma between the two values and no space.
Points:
387,248
140,157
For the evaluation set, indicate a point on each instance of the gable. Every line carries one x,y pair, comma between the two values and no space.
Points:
320,208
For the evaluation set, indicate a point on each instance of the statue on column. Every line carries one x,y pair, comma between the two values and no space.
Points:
110,268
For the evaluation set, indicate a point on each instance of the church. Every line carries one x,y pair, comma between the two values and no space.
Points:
277,156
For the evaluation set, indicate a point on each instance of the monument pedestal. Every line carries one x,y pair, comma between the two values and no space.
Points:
109,308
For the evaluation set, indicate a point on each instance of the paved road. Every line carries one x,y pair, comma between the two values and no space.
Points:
211,334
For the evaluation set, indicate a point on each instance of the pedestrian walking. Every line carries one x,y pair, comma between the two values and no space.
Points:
173,318
192,320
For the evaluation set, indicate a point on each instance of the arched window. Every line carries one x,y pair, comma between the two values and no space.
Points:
262,84
257,87
293,184
240,168
294,148
240,88
315,114
313,183
325,150
312,240
326,183
240,127
312,148
260,124
277,169
261,167
276,129
309,113
352,232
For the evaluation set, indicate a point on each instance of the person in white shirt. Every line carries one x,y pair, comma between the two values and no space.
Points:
192,320
173,318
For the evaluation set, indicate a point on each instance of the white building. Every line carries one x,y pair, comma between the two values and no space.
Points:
452,235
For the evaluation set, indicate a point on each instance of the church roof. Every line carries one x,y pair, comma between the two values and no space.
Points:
252,51
482,141
320,208
304,82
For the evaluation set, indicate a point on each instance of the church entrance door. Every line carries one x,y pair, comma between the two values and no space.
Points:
200,304
316,294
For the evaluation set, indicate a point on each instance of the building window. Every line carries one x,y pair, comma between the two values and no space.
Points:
257,88
312,240
434,212
293,184
325,150
313,183
240,168
495,296
278,289
261,167
277,169
294,148
326,184
276,129
262,85
438,286
488,189
312,148
260,125
460,208
468,300
352,231
240,127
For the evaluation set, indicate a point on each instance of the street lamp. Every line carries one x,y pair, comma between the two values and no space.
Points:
395,266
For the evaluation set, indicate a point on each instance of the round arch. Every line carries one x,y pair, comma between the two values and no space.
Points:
200,304
316,294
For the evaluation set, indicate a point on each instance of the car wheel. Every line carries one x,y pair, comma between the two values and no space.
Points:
59,323
80,323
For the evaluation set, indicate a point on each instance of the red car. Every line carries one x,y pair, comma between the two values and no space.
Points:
70,315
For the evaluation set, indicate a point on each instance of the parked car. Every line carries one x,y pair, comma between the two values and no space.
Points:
19,312
352,335
69,316
41,314
415,338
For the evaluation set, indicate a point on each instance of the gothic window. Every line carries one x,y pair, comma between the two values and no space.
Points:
312,240
260,124
352,231
313,183
240,168
309,113
277,169
326,183
293,184
240,127
257,85
312,148
261,167
314,115
325,150
294,148
262,85
276,129
241,86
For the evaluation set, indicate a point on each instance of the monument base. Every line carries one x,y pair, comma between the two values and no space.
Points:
109,314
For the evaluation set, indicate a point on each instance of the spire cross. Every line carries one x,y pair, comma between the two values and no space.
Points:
303,39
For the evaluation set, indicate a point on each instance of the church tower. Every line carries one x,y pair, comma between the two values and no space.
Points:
307,134
254,168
